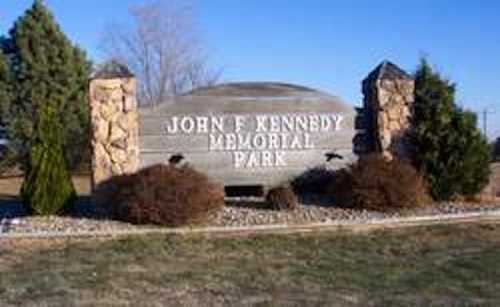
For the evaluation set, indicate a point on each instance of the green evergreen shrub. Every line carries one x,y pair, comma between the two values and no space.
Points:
4,89
473,155
47,67
449,150
282,198
6,161
375,183
163,195
47,188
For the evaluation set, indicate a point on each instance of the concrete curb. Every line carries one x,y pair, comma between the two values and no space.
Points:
354,226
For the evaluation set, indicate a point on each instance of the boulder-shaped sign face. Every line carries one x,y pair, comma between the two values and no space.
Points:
249,134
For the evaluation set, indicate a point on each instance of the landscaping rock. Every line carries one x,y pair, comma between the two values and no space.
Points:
242,213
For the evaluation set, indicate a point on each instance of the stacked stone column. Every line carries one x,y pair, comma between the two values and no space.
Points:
388,100
114,126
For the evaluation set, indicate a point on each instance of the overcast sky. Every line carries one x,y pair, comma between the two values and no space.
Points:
326,44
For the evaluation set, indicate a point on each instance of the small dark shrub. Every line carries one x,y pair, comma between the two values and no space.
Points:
314,180
282,198
374,183
163,195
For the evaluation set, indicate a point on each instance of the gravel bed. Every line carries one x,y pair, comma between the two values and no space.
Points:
237,213
250,215
56,224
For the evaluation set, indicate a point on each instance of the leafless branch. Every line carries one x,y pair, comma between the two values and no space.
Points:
162,47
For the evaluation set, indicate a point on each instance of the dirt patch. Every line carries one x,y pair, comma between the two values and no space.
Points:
10,186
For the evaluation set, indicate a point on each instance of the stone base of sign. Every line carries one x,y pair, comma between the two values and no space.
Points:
114,128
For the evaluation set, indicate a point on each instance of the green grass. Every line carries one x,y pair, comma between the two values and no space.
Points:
457,265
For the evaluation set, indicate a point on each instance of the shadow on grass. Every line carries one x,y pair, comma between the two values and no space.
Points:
12,207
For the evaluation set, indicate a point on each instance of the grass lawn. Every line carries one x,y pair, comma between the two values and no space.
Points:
447,265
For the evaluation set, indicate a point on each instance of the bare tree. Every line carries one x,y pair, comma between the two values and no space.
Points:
162,47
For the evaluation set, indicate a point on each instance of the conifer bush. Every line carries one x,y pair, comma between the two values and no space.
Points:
45,66
47,188
282,198
375,183
449,149
164,195
4,89
4,106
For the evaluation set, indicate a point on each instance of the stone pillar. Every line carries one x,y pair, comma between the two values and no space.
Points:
114,123
387,108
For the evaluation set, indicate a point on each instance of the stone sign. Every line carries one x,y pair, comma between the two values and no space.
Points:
246,134
249,133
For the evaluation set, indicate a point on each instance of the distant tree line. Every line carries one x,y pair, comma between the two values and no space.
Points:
495,147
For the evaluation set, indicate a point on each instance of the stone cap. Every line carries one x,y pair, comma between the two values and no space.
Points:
264,92
253,97
254,89
387,71
112,69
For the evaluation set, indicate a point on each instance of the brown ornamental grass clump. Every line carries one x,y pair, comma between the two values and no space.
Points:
375,183
164,195
282,198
